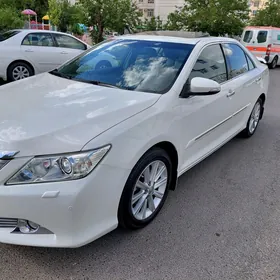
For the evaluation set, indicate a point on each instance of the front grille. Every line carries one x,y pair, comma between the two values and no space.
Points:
8,223
3,162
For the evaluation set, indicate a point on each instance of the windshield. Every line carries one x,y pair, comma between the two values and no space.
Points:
137,65
6,35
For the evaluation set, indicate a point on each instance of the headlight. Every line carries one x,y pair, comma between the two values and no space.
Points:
59,167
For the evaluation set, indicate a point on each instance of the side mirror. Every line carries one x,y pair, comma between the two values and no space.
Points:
200,87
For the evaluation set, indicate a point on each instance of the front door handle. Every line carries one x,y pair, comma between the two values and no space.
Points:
29,51
231,93
64,52
258,79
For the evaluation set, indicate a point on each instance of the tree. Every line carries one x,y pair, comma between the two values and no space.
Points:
269,16
175,20
64,15
152,24
159,23
217,17
39,6
10,19
114,15
55,10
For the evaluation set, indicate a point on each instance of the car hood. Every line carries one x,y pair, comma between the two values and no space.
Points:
46,114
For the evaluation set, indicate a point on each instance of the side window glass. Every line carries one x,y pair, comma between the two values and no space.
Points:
211,65
250,63
236,60
38,39
65,41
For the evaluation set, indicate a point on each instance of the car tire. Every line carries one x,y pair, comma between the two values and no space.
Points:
130,213
273,63
253,120
103,64
21,70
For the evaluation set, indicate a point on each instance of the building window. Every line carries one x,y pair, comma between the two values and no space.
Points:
150,12
140,1
257,4
254,12
151,1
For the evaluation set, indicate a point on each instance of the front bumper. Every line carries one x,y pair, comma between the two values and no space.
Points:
76,212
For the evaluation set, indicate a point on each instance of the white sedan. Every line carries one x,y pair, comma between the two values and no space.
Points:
82,152
25,52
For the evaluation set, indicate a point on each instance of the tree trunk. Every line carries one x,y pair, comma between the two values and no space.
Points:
100,33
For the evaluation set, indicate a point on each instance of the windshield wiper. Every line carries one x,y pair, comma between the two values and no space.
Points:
59,74
97,83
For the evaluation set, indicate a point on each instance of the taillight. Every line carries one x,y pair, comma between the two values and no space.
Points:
268,50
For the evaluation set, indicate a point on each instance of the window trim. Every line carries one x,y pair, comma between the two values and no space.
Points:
204,47
221,43
249,58
57,45
44,33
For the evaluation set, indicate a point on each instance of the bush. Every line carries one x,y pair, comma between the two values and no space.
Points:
77,30
10,19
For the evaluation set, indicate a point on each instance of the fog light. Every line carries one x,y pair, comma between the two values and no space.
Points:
25,226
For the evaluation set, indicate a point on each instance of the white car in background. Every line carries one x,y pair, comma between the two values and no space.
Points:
26,52
83,151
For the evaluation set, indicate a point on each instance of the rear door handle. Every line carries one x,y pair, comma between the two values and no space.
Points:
231,93
64,52
258,79
29,51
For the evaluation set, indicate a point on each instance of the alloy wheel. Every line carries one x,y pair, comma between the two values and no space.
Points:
255,118
149,190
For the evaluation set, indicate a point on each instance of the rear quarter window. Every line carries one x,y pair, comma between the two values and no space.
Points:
7,35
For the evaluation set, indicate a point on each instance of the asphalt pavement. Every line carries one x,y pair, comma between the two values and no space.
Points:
222,223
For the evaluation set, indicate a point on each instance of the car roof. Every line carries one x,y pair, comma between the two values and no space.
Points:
38,31
176,37
262,27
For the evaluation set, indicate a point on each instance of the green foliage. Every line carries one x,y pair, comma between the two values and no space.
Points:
217,17
39,6
10,12
64,15
153,24
176,20
10,19
269,16
114,15
77,30
55,10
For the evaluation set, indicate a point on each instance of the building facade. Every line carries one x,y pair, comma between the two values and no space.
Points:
255,5
161,8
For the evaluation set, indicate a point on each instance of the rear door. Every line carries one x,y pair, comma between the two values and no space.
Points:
243,84
68,46
39,49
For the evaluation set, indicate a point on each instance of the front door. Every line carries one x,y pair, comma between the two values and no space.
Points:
39,49
206,120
